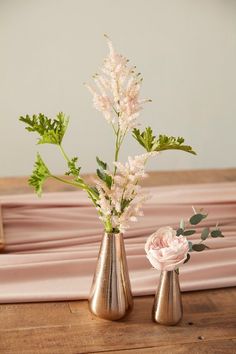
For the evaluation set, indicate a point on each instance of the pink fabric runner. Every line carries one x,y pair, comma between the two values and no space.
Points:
52,243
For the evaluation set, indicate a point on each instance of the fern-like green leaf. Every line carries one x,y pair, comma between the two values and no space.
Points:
151,143
51,131
39,175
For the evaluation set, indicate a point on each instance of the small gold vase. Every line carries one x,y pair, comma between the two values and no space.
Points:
110,296
167,307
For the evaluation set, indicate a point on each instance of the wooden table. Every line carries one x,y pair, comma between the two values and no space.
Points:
208,325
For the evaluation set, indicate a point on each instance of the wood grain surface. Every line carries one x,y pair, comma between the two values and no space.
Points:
208,325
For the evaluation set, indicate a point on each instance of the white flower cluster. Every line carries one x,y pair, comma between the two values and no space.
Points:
117,94
122,203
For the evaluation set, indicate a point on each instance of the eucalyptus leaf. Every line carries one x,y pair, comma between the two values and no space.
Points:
216,233
189,232
179,232
205,233
182,224
197,218
187,259
198,247
190,245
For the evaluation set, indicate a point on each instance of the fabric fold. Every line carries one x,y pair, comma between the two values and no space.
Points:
51,244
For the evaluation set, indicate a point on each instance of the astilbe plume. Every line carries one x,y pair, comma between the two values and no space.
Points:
117,91
123,202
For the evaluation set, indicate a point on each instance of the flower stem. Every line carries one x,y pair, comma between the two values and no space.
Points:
64,153
78,185
117,149
82,186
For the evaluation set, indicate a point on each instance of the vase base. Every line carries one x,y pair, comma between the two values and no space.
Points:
111,316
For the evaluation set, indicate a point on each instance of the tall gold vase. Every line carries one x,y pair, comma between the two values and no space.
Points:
110,295
167,307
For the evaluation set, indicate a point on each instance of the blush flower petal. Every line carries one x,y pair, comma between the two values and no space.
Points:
165,250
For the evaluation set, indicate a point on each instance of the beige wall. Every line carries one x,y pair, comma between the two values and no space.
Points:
185,49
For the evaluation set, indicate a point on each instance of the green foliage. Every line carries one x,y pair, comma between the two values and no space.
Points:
205,233
146,138
187,259
198,247
102,174
197,218
179,231
104,177
151,143
124,204
102,164
95,191
39,175
216,233
73,169
190,245
189,232
51,131
182,224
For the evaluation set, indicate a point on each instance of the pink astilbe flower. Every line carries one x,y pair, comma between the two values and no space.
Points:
117,91
122,203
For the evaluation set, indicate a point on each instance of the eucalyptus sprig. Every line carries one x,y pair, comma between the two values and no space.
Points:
151,143
206,232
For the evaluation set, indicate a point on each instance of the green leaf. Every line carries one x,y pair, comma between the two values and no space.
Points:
197,218
189,232
108,181
182,224
198,247
39,175
165,142
105,177
187,259
102,164
124,204
146,138
216,233
151,143
95,190
51,131
74,170
205,233
101,174
190,245
179,232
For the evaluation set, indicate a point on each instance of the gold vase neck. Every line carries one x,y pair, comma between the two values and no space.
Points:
112,233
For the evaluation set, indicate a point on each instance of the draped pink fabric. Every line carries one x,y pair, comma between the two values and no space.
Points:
52,242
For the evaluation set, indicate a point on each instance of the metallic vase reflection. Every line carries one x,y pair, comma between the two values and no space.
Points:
167,308
110,295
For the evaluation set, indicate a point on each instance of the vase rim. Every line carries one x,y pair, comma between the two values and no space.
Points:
113,233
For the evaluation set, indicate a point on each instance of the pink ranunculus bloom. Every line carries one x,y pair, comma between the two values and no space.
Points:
165,250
